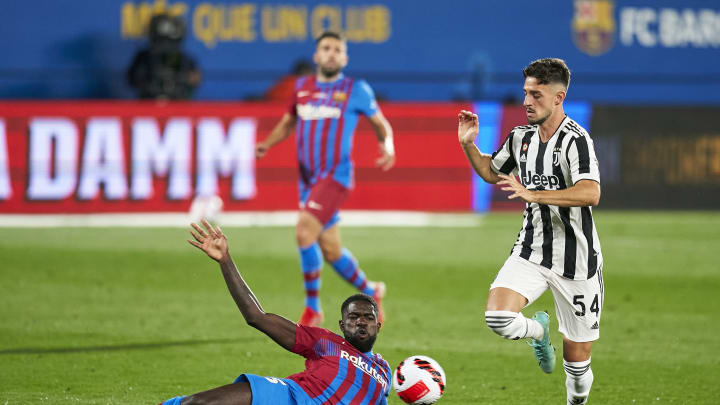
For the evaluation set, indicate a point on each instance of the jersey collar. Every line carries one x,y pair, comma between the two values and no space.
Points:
341,77
562,124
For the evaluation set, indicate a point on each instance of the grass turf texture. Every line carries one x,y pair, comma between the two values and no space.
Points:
128,316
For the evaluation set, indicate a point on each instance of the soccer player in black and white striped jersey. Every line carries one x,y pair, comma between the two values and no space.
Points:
558,246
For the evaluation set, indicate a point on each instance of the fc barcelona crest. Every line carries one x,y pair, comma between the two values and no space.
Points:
339,96
593,26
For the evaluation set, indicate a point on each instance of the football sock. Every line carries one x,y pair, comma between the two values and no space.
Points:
513,325
173,401
311,264
347,267
578,381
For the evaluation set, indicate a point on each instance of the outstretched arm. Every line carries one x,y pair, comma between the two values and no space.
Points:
282,130
384,134
468,128
214,243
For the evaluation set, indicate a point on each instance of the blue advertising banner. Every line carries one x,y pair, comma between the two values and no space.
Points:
620,51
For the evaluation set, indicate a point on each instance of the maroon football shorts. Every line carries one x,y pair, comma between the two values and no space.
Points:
325,199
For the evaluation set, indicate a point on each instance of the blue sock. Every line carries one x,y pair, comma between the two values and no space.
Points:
347,267
311,264
174,401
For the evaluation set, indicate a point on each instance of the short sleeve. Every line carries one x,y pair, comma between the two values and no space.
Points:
305,339
365,99
292,107
390,377
582,161
503,160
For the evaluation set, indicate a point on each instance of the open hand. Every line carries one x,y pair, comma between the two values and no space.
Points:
387,158
213,242
510,183
468,127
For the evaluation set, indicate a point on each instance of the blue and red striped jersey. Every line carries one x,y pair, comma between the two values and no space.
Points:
338,373
327,115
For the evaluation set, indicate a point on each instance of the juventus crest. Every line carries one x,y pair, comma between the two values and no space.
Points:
556,157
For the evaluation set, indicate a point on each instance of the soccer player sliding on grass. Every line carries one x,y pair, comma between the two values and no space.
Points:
338,370
558,246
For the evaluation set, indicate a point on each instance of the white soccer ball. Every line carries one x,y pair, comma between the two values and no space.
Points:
208,207
419,380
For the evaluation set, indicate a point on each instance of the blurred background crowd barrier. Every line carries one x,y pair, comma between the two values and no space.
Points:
645,83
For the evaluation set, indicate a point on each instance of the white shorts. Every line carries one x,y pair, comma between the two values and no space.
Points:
578,303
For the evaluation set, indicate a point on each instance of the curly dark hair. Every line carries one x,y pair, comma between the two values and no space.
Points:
548,70
358,297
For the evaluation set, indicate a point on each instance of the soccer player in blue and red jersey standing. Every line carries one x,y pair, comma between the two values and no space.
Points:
324,113
338,370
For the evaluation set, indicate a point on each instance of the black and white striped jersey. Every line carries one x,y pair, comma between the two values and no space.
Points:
562,239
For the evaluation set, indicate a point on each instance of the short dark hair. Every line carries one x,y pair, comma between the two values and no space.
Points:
329,34
358,297
548,70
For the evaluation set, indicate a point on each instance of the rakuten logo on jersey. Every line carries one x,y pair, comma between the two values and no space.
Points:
540,180
365,367
317,112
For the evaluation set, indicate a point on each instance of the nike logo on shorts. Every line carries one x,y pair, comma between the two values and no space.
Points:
313,205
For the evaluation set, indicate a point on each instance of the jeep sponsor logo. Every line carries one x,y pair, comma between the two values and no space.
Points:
362,365
540,180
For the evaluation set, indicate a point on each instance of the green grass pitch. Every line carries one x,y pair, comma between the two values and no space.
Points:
131,316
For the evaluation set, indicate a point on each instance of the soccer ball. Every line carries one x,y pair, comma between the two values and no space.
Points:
419,380
208,207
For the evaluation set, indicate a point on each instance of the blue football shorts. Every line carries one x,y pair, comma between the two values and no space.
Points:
274,391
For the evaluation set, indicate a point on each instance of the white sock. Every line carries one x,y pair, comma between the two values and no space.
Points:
578,382
513,325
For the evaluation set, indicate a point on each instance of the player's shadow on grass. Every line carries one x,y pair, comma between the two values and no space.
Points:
113,348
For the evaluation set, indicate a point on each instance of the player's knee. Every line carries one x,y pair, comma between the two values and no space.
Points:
330,251
308,229
304,235
504,323
576,351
